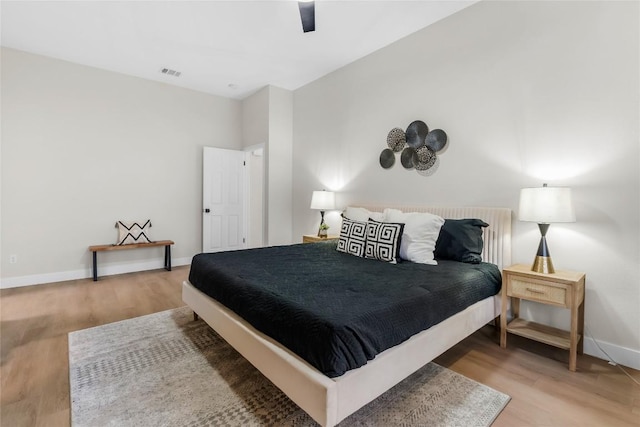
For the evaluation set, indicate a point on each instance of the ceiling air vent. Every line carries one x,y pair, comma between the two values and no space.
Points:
170,72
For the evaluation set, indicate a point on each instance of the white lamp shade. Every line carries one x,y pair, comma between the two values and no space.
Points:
546,205
323,200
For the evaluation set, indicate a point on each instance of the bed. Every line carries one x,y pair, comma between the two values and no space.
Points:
330,395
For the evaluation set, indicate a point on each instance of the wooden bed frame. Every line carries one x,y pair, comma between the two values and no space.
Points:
330,400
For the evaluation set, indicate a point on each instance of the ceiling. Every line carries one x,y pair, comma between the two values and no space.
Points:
226,48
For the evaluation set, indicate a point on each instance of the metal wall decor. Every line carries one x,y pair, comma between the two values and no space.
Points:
409,157
396,140
416,133
418,147
387,159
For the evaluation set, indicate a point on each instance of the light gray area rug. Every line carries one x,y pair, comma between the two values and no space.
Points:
165,369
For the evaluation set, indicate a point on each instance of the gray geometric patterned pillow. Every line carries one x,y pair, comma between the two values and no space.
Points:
383,241
130,232
352,237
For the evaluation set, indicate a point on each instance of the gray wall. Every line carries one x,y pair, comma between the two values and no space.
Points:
279,167
528,92
82,148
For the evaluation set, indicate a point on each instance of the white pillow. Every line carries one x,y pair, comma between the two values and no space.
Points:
362,214
131,232
420,234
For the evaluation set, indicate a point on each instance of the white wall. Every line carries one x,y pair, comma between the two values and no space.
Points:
280,170
528,92
82,148
255,118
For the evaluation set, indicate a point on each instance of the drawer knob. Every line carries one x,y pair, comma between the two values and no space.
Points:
535,291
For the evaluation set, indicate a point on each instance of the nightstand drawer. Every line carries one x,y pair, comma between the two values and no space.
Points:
538,290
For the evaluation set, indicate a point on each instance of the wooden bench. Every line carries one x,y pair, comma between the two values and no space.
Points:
99,248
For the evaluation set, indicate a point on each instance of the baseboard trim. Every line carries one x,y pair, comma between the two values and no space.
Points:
618,354
107,270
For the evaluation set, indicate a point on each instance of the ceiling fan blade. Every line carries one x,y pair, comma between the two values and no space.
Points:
308,15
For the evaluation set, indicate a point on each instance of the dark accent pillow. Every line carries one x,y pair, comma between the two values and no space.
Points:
383,241
461,240
352,237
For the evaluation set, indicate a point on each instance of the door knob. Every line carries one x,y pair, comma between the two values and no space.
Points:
207,210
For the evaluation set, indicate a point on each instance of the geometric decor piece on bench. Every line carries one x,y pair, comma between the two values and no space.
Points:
130,232
100,248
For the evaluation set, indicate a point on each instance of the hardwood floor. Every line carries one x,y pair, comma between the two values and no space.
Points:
34,373
35,321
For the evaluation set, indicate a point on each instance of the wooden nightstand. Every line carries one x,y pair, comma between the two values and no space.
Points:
561,289
311,238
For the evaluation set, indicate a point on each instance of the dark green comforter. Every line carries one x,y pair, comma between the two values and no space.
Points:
335,310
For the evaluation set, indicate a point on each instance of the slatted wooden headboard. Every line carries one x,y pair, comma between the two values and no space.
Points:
497,237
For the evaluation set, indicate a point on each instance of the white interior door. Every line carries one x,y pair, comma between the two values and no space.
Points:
222,200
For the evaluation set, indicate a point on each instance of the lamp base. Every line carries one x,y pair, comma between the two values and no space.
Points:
322,230
543,264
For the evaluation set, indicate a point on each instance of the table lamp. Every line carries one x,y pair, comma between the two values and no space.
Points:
545,205
323,201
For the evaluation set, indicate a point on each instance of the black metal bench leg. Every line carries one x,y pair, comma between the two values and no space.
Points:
95,266
167,257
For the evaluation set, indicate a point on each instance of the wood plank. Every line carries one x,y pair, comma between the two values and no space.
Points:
311,238
560,276
100,248
543,391
543,333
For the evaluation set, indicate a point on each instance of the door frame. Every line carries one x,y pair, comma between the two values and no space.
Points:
247,192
